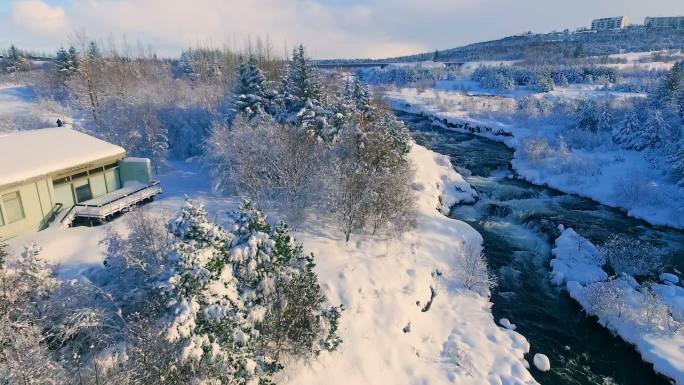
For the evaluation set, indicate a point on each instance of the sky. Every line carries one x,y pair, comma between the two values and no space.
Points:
328,28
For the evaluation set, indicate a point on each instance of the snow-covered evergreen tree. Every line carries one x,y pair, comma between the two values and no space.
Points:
93,52
66,62
586,116
301,94
240,300
251,94
676,160
14,60
604,118
360,94
655,132
627,133
672,85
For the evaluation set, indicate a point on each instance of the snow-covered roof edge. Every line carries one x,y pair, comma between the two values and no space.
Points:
31,154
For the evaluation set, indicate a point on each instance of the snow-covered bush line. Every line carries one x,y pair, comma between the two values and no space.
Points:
542,78
190,302
648,315
306,147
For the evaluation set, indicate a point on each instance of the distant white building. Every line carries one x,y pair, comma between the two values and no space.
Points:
609,23
665,22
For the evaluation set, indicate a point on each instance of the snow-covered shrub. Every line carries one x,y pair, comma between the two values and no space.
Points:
634,187
240,301
473,272
270,163
25,288
371,184
631,255
537,150
132,262
607,298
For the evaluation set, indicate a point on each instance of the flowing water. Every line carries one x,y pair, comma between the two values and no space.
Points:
518,222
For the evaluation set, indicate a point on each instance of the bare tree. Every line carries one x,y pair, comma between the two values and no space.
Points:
473,270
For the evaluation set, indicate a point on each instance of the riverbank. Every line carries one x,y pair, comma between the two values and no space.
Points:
518,222
648,316
617,178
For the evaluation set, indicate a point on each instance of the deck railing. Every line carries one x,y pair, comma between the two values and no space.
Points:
51,215
118,204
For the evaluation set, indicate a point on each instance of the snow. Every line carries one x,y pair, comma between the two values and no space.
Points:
16,100
580,269
669,278
384,284
541,362
603,175
507,324
576,260
34,153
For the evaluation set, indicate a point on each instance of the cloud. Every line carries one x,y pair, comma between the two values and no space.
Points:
329,28
36,16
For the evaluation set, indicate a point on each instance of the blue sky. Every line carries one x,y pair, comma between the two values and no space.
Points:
330,28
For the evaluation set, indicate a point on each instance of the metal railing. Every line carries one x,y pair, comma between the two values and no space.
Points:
119,204
51,215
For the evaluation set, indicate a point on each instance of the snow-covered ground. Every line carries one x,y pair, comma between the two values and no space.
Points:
384,284
20,108
623,305
618,178
644,60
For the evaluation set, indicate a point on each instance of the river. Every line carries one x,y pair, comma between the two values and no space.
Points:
518,222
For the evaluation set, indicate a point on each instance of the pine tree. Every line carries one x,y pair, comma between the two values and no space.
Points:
604,118
626,134
676,160
65,61
251,93
93,51
301,90
73,59
671,86
656,131
15,61
240,300
586,117
361,97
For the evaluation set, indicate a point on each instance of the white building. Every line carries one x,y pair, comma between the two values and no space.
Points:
609,23
665,22
58,175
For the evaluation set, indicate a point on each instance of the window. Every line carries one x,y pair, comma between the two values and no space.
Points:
83,192
13,209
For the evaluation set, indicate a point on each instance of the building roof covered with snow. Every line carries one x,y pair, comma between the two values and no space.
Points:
31,154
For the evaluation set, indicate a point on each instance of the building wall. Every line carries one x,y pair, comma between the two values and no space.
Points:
609,23
665,22
36,200
135,170
39,196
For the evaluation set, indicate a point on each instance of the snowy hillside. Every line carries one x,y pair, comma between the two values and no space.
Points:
393,331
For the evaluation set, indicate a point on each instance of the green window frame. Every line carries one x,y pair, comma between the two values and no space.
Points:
13,207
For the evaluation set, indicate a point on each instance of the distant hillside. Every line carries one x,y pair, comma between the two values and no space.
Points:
547,47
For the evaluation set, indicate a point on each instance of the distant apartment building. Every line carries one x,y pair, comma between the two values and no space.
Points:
665,22
608,23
